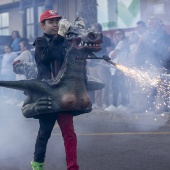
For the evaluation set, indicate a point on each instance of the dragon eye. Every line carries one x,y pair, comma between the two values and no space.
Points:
70,35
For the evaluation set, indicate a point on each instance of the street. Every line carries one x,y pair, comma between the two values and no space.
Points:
106,141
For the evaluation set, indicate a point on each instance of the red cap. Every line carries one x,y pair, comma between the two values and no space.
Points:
48,14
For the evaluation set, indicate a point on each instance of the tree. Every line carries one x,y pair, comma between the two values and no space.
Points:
89,11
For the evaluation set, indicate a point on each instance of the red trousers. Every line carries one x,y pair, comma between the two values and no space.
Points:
65,122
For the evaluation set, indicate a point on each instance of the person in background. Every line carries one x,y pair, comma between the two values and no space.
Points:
118,84
7,60
100,70
24,57
49,57
152,54
16,39
141,28
133,39
7,71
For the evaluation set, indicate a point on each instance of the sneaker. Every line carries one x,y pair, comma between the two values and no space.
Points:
122,108
111,108
37,165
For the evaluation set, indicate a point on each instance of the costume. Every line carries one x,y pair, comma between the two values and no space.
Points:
49,56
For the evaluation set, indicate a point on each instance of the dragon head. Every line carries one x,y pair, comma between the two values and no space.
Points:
84,40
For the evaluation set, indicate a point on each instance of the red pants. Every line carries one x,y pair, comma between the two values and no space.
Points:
65,122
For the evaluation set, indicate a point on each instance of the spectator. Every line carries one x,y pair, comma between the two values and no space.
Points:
118,84
99,69
141,27
6,70
133,39
7,60
16,39
24,57
152,53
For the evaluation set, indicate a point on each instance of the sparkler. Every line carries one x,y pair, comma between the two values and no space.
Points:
147,80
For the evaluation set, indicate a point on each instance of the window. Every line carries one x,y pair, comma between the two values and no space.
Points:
40,10
30,23
4,23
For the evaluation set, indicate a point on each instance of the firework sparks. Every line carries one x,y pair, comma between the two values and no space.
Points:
147,80
143,78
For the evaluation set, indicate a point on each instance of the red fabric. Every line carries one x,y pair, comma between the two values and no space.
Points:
65,122
49,14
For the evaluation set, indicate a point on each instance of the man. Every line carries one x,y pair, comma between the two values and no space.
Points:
141,27
99,70
152,53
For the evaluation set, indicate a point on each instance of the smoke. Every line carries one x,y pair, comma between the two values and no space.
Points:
17,136
145,122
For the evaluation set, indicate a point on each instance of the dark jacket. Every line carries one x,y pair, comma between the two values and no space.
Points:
49,55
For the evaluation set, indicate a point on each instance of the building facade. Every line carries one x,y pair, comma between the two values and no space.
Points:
23,15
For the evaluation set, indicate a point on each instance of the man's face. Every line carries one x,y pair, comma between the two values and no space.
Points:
22,47
7,49
119,35
152,25
51,26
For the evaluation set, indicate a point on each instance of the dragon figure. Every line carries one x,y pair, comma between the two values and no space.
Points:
69,90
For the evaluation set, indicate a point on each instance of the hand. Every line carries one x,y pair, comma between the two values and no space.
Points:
64,26
106,58
43,105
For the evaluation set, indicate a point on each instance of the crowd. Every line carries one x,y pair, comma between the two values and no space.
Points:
146,49
15,52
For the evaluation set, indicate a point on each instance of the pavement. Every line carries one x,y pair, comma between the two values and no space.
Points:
119,114
140,141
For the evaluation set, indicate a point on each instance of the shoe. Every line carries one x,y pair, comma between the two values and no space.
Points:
122,108
111,108
37,165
